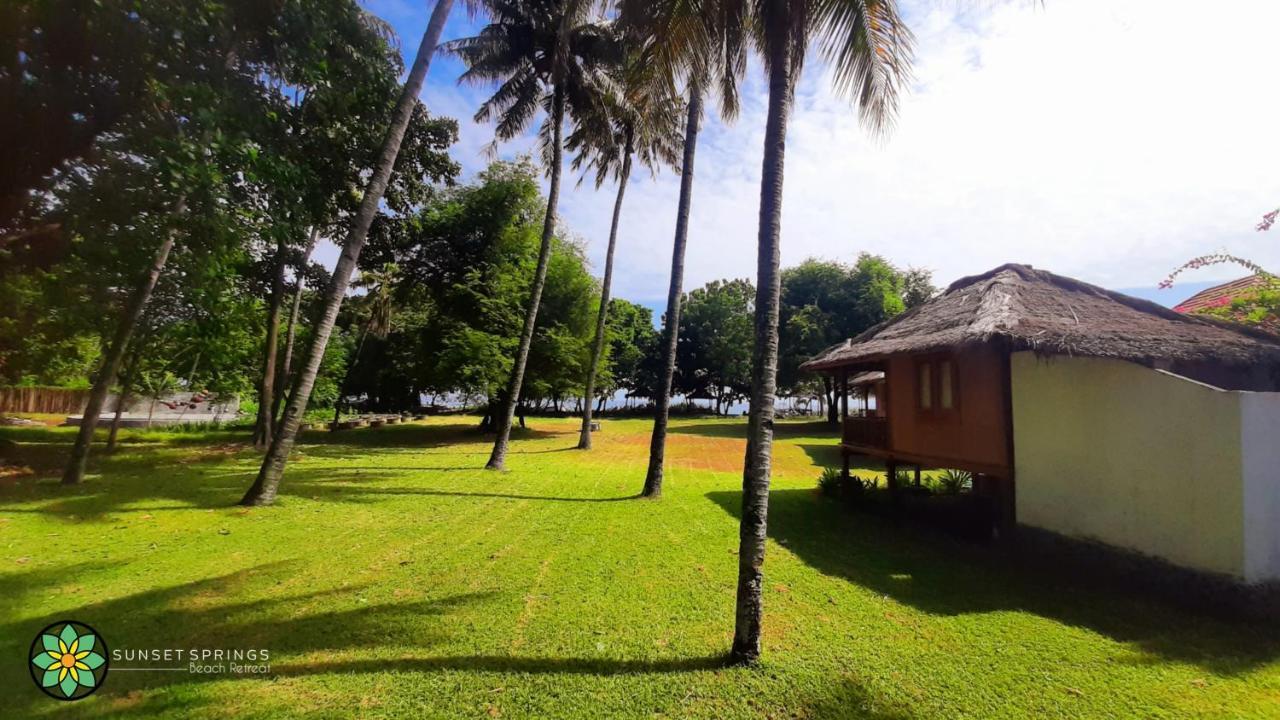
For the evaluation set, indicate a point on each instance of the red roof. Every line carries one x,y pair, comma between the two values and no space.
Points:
1220,295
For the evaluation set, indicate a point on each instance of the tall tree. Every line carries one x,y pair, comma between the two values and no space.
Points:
640,119
548,54
869,49
266,485
715,341
700,43
825,302
291,333
265,422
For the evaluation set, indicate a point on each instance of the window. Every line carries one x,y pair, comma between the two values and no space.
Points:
946,395
926,386
936,385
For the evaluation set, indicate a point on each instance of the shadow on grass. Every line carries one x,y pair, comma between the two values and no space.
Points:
940,575
299,645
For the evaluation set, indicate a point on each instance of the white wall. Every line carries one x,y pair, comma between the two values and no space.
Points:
1145,460
1260,429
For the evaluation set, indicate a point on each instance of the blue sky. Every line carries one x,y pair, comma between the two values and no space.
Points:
1109,140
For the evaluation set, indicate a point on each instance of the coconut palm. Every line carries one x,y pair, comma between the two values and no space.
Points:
700,43
264,488
641,121
548,55
869,49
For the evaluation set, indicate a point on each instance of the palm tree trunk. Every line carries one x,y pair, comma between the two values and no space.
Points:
597,350
79,459
130,375
764,369
264,488
286,365
266,384
671,329
498,458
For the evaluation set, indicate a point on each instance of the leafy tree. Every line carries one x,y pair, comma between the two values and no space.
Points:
632,339
263,491
715,341
544,54
824,303
468,259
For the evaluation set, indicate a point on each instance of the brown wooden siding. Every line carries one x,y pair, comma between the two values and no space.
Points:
974,435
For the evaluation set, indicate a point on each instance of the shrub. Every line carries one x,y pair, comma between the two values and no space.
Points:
831,482
954,482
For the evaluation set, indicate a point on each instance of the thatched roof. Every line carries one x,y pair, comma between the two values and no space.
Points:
1037,310
870,377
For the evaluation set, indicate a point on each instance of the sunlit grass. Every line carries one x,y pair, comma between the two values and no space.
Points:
397,578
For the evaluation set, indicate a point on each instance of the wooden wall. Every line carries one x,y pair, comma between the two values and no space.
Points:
975,434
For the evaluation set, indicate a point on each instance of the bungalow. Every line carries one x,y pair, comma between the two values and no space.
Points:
1081,411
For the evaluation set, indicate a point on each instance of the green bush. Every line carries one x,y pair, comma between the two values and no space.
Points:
831,482
954,482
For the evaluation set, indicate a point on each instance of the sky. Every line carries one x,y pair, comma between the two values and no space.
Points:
1108,140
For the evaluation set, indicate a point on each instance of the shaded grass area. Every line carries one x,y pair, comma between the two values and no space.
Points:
397,579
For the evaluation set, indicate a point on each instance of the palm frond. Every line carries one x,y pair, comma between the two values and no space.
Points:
870,50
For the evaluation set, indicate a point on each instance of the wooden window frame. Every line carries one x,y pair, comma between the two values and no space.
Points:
935,362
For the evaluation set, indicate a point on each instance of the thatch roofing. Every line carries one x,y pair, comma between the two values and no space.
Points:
870,377
1038,310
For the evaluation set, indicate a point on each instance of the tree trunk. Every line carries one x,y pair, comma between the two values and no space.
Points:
79,460
498,458
270,346
764,367
130,375
286,365
597,350
829,392
346,376
671,329
264,488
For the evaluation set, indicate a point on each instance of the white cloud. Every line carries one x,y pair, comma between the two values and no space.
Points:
1106,139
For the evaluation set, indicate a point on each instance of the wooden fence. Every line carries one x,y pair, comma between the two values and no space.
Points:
53,401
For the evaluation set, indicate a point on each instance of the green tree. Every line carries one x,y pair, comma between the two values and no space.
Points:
542,54
869,49
639,118
826,302
715,341
264,489
701,44
632,339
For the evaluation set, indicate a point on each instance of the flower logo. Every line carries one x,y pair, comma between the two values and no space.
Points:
68,660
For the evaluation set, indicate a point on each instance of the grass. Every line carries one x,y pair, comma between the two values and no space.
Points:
396,579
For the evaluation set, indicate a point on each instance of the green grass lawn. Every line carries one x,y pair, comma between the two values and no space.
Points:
396,578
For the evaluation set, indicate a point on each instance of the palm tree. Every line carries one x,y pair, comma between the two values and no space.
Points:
702,43
641,120
264,488
869,49
543,54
